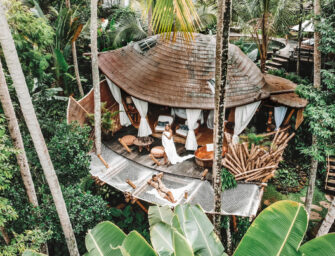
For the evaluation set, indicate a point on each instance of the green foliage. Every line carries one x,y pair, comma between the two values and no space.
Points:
108,239
227,180
68,149
286,178
107,121
29,240
186,231
33,37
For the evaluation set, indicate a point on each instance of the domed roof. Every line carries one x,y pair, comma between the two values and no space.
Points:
180,73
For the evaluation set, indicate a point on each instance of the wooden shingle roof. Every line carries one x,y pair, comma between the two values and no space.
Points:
180,73
282,92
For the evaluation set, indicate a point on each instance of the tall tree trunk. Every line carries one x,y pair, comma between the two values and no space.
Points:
28,111
264,46
328,221
221,69
301,12
15,134
149,21
4,235
317,85
229,239
95,76
75,59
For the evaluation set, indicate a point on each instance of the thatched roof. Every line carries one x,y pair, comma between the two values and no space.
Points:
181,74
282,91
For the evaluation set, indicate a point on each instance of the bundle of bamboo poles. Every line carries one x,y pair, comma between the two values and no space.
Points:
256,163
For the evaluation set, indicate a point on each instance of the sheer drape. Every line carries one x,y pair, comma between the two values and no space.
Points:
192,117
280,113
142,107
243,115
210,120
116,92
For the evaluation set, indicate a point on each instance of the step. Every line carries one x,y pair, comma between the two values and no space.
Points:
278,55
280,60
332,167
331,159
331,174
274,64
331,182
330,188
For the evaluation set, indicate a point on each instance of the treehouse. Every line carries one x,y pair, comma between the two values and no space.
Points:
155,82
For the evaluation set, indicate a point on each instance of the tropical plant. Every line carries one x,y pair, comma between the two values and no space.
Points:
173,16
269,17
207,12
279,230
20,85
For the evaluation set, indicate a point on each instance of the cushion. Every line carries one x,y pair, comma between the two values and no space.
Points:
159,128
181,132
163,118
157,151
161,123
183,127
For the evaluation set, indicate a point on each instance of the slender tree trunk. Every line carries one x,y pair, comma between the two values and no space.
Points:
28,111
149,21
221,69
301,11
229,240
264,46
4,235
317,84
76,68
75,59
15,134
95,76
328,221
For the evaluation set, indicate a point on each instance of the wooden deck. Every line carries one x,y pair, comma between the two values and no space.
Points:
187,168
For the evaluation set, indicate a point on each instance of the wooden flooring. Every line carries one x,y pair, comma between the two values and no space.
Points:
187,168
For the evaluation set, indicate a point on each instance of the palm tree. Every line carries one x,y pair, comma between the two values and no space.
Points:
317,85
301,12
95,76
75,59
269,17
29,115
328,221
14,130
221,68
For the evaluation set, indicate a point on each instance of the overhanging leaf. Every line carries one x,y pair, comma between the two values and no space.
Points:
321,246
134,244
278,230
101,239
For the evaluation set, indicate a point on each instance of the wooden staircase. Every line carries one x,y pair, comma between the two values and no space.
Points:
330,179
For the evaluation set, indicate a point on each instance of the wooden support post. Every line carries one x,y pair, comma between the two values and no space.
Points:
131,184
103,161
142,206
204,173
186,194
125,145
288,118
154,159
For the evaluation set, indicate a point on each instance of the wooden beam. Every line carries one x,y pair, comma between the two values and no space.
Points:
103,161
288,118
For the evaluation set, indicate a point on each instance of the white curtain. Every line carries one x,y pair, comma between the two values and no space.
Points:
142,107
192,117
243,115
280,113
116,92
210,120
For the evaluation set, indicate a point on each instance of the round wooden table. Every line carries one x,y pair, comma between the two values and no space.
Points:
205,158
143,143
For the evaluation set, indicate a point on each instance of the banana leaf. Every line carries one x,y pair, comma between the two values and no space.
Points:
134,245
321,246
278,230
103,238
32,253
198,230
